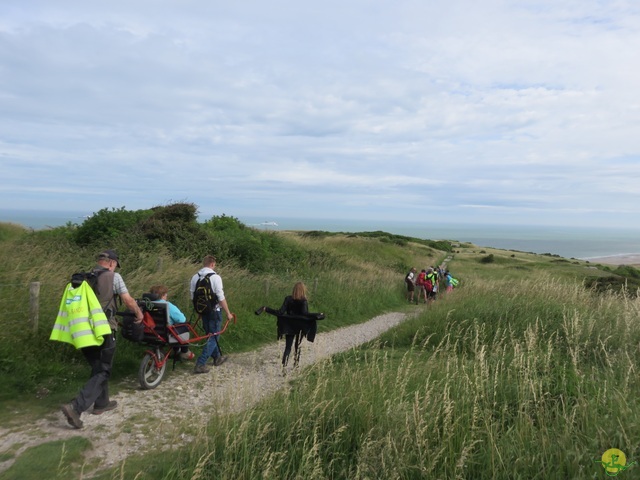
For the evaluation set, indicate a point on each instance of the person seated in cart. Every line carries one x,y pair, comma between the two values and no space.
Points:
176,317
294,322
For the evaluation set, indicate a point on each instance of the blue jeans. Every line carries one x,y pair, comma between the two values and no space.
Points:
212,323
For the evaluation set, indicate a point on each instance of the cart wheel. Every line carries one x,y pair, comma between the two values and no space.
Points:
149,375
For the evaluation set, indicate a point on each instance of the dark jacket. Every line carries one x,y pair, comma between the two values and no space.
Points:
293,318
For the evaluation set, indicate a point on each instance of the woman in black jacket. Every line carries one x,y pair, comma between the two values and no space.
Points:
294,321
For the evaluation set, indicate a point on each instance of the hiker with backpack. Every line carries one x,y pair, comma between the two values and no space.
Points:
107,287
208,298
422,286
449,281
432,284
410,281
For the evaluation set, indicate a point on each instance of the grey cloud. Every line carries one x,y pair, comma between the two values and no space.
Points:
394,106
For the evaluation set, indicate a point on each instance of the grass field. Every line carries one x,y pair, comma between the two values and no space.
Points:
521,372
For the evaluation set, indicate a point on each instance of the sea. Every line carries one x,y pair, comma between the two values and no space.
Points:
569,242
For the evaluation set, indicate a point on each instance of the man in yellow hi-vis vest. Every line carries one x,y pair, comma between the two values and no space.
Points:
95,338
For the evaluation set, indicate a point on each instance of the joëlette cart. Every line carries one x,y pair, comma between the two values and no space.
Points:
161,338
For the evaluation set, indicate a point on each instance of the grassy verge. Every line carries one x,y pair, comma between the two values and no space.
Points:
504,378
522,372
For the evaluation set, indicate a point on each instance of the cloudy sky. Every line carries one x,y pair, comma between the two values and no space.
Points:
515,112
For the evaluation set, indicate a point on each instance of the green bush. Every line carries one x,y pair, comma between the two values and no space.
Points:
615,284
104,226
175,227
439,245
316,234
627,271
250,248
488,259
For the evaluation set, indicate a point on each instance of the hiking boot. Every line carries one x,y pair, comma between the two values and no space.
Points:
109,406
185,357
219,360
73,417
200,369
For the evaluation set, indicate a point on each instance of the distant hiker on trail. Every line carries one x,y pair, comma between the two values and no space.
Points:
410,280
97,346
212,315
422,286
449,281
294,322
432,284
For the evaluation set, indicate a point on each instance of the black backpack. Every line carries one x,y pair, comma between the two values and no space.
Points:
91,278
204,298
406,277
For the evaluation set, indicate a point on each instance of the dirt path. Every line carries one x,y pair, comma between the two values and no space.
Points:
143,415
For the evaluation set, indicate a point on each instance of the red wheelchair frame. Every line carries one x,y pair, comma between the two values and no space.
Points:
162,338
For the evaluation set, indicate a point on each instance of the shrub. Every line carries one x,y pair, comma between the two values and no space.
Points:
252,249
175,227
615,284
627,271
439,245
320,234
488,259
106,225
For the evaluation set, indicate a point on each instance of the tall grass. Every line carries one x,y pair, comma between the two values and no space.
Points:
529,379
10,231
519,373
346,284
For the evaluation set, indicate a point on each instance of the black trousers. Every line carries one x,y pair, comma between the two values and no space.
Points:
96,390
289,342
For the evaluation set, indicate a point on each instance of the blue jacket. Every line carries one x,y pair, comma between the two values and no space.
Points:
175,315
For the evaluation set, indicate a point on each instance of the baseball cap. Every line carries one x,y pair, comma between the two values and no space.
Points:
109,255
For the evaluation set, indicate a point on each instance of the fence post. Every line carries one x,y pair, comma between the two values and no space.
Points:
159,264
315,285
34,303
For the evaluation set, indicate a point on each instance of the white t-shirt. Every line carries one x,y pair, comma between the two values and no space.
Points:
216,282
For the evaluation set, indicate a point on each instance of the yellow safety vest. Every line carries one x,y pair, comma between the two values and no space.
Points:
80,319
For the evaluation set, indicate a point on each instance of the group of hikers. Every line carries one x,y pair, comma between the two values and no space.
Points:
427,283
87,320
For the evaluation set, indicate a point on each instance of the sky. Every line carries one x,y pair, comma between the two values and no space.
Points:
465,111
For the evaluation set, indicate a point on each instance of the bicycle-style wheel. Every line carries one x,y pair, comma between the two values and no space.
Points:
149,374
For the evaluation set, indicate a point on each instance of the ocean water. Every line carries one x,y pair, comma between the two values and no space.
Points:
569,242
39,220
